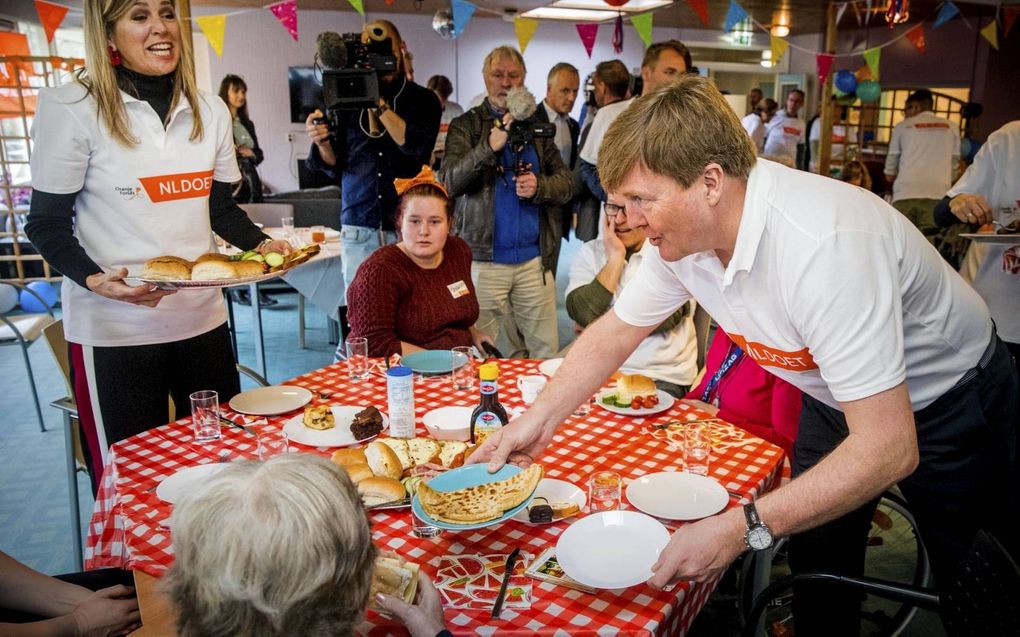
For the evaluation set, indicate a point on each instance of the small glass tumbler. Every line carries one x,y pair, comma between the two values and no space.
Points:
463,366
421,528
604,491
357,357
287,223
584,408
697,448
272,443
319,234
205,415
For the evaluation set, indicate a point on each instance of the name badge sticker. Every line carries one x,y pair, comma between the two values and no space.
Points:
458,289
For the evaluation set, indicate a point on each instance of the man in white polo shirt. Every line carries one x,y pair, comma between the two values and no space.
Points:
827,287
923,154
787,130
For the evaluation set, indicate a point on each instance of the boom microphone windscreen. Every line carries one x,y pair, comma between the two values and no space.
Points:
520,103
331,50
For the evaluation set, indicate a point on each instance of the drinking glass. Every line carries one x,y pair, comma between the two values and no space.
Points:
357,357
319,234
205,415
530,387
463,367
272,443
421,528
604,491
697,448
287,223
584,408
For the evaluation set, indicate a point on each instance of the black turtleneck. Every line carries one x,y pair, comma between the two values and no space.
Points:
50,225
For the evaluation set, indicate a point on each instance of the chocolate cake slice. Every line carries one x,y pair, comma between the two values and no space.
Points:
367,423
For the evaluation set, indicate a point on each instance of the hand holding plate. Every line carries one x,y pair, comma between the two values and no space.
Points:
700,551
112,286
519,443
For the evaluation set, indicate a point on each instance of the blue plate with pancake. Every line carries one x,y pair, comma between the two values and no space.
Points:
471,475
431,361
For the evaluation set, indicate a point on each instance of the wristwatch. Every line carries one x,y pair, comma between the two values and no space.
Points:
758,536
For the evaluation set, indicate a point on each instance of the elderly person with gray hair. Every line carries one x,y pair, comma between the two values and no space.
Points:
281,548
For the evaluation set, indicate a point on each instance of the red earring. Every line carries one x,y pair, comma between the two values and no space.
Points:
114,55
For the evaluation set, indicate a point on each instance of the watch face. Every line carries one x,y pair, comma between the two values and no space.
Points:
759,538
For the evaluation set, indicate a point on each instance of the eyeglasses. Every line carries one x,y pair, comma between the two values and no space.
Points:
614,210
500,75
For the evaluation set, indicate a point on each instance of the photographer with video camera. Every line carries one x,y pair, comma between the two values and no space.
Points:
509,181
377,126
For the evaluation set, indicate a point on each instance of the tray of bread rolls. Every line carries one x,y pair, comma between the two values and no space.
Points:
216,270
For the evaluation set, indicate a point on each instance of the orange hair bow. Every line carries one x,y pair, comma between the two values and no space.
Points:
424,178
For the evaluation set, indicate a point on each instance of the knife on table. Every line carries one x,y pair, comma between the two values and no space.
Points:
508,570
239,426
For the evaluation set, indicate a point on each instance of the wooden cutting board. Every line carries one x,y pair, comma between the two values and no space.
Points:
158,619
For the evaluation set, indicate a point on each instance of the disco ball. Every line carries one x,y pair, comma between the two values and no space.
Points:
442,23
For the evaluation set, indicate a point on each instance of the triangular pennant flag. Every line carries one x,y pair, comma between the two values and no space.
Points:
50,15
525,29
1009,19
734,15
286,13
946,13
700,7
643,25
587,33
872,56
779,47
618,33
213,26
824,63
359,5
840,11
916,37
462,12
991,33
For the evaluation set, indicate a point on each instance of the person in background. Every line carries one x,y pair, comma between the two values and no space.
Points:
294,555
417,294
133,162
989,191
91,604
917,390
370,148
508,201
562,85
443,88
611,84
856,173
741,392
598,275
921,164
754,96
754,122
785,133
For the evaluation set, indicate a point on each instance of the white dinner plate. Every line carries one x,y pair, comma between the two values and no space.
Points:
339,436
554,490
673,495
991,237
665,402
186,480
611,549
549,366
270,401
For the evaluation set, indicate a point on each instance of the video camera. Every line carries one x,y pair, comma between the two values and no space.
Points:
526,131
353,67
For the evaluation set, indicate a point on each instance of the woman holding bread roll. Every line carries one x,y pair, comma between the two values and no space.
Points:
131,161
417,294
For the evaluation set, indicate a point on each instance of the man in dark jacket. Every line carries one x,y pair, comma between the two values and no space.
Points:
507,210
561,88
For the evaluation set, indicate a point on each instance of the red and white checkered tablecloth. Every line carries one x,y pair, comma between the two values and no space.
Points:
128,525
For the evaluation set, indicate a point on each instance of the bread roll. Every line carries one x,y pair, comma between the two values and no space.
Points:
393,576
380,490
629,386
382,460
167,268
424,451
244,269
212,256
347,457
399,447
358,472
213,271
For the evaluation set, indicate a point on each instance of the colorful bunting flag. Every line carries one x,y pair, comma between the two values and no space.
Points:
587,33
946,13
359,5
50,15
286,14
618,33
14,45
872,56
699,7
734,15
643,25
462,12
824,63
991,33
779,47
916,37
213,26
1008,19
525,29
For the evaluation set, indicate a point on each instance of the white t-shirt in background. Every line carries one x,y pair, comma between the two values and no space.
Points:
782,134
603,118
923,154
755,129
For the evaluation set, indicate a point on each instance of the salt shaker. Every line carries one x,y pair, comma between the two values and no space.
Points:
400,395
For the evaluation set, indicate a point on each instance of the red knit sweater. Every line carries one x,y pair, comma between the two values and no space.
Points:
392,299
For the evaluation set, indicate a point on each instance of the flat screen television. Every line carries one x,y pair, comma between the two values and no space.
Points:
305,92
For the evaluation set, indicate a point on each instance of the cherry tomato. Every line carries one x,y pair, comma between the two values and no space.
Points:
635,403
653,400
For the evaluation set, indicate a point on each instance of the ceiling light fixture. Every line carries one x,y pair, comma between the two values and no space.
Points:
633,6
578,15
780,23
766,58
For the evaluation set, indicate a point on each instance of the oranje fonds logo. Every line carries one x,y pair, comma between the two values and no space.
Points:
798,361
180,186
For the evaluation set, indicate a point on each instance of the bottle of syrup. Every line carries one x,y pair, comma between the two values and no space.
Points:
489,415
